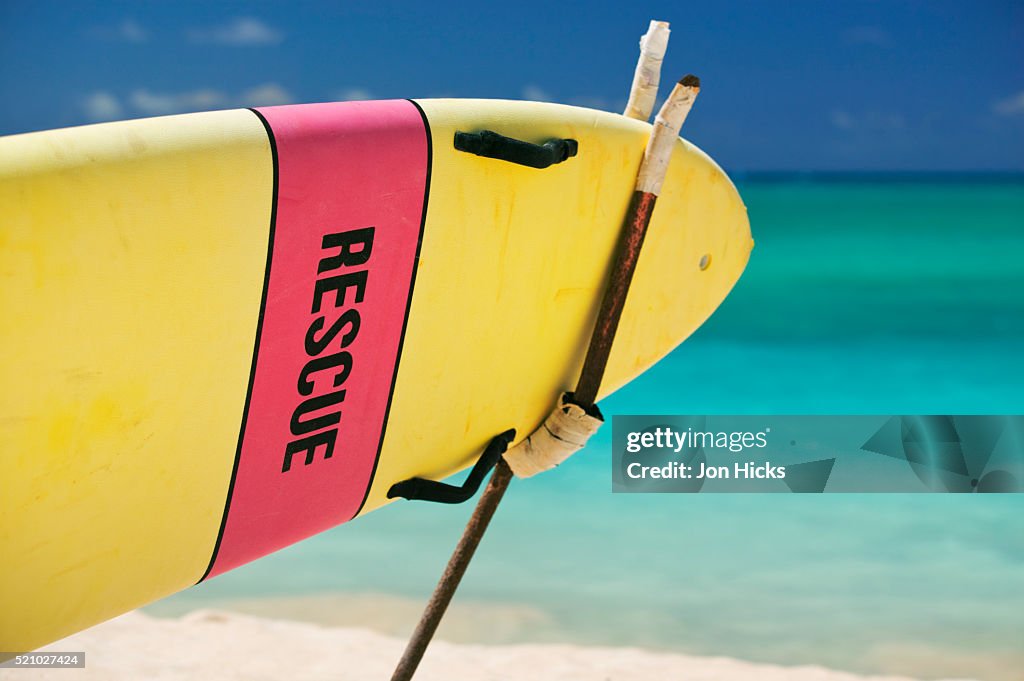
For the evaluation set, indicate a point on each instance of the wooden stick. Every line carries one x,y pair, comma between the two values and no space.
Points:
648,71
669,119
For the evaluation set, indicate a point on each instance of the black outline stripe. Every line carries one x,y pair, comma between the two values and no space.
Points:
256,345
408,306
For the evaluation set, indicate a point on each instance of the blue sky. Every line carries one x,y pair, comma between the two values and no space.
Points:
798,85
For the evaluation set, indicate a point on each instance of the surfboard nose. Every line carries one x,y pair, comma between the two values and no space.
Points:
697,246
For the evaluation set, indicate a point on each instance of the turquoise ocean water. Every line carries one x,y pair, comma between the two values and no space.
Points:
864,295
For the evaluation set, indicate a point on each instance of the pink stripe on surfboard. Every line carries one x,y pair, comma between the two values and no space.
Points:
351,188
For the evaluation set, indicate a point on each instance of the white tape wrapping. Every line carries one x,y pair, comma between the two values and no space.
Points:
564,432
664,133
648,71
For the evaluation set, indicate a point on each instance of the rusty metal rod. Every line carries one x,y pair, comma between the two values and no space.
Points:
453,572
638,217
637,220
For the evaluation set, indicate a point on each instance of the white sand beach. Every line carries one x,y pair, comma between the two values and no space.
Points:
213,644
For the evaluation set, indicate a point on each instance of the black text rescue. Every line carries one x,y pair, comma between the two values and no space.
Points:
339,288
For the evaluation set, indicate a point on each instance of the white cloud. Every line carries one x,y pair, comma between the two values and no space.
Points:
102,106
132,31
353,94
1010,106
159,104
268,94
842,120
534,93
599,103
870,121
129,31
867,35
237,32
105,106
149,103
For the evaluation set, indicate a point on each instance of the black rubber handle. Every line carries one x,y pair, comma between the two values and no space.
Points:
441,492
492,145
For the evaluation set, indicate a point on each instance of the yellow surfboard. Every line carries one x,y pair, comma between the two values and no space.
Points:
225,332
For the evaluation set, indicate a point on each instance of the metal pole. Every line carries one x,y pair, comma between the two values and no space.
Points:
614,301
638,218
453,572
